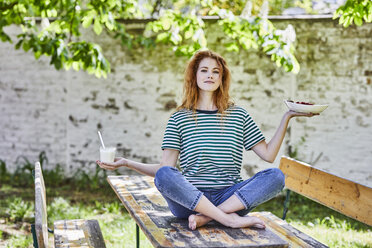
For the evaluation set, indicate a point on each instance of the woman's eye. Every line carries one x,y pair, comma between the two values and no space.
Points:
217,72
203,70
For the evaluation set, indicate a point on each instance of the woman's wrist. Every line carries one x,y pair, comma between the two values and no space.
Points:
125,162
128,163
288,115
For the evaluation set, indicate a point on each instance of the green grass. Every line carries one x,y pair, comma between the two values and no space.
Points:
19,241
90,197
336,237
320,222
116,224
324,224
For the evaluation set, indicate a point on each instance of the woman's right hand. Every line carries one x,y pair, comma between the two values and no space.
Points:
118,162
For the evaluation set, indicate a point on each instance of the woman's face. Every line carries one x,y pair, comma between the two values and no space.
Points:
208,75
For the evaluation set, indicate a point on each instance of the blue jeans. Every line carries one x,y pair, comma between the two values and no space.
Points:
182,197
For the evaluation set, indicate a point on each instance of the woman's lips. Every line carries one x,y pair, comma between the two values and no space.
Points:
209,82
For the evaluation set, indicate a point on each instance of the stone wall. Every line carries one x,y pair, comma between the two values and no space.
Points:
60,112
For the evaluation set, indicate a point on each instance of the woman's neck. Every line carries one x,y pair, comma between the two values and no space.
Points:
206,101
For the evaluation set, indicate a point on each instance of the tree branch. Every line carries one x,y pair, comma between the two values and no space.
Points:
157,4
6,7
72,22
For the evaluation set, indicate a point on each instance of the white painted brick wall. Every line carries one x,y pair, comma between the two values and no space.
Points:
60,112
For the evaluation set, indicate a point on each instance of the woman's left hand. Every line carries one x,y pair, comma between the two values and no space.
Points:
291,114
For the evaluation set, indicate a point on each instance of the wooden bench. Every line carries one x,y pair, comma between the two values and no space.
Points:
151,213
347,197
67,233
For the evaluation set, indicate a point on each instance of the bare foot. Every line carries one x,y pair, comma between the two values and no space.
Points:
245,221
197,220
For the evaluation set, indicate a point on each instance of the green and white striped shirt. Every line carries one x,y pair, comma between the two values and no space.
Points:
211,150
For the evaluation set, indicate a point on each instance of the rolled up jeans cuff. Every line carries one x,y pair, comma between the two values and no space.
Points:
196,202
242,199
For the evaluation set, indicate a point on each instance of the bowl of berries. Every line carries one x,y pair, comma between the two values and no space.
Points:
305,107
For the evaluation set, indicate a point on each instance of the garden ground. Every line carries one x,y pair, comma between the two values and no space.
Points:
17,206
89,196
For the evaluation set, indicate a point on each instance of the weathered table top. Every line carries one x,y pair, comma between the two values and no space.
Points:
149,209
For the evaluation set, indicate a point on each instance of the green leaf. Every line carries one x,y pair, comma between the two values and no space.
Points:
189,33
358,21
347,21
97,73
166,23
202,41
87,21
76,66
232,47
335,15
368,18
37,54
5,37
97,26
110,25
342,19
162,37
26,46
19,43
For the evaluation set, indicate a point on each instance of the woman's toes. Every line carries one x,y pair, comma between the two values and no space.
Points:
192,222
260,226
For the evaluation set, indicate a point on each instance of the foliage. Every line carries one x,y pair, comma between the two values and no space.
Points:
23,173
115,224
60,209
355,11
307,5
53,28
22,177
20,242
335,232
114,208
184,32
93,181
257,32
54,177
17,209
4,174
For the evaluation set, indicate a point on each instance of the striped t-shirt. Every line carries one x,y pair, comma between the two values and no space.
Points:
211,150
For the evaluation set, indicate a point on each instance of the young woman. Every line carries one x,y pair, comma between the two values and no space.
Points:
208,133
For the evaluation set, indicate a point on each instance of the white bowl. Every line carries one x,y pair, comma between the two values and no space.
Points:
303,108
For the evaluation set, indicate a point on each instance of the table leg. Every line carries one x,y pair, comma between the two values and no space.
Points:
137,237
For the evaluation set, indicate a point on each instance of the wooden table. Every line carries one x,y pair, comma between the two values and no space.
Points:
151,213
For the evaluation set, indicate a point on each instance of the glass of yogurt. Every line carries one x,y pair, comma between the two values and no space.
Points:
107,154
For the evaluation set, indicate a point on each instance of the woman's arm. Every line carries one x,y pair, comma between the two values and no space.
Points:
269,151
169,158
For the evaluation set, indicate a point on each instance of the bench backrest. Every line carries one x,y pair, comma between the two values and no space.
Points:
347,197
41,224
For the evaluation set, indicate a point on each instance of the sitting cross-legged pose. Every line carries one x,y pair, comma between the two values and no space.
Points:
208,134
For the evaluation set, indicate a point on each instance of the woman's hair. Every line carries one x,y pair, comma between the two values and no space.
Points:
191,91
